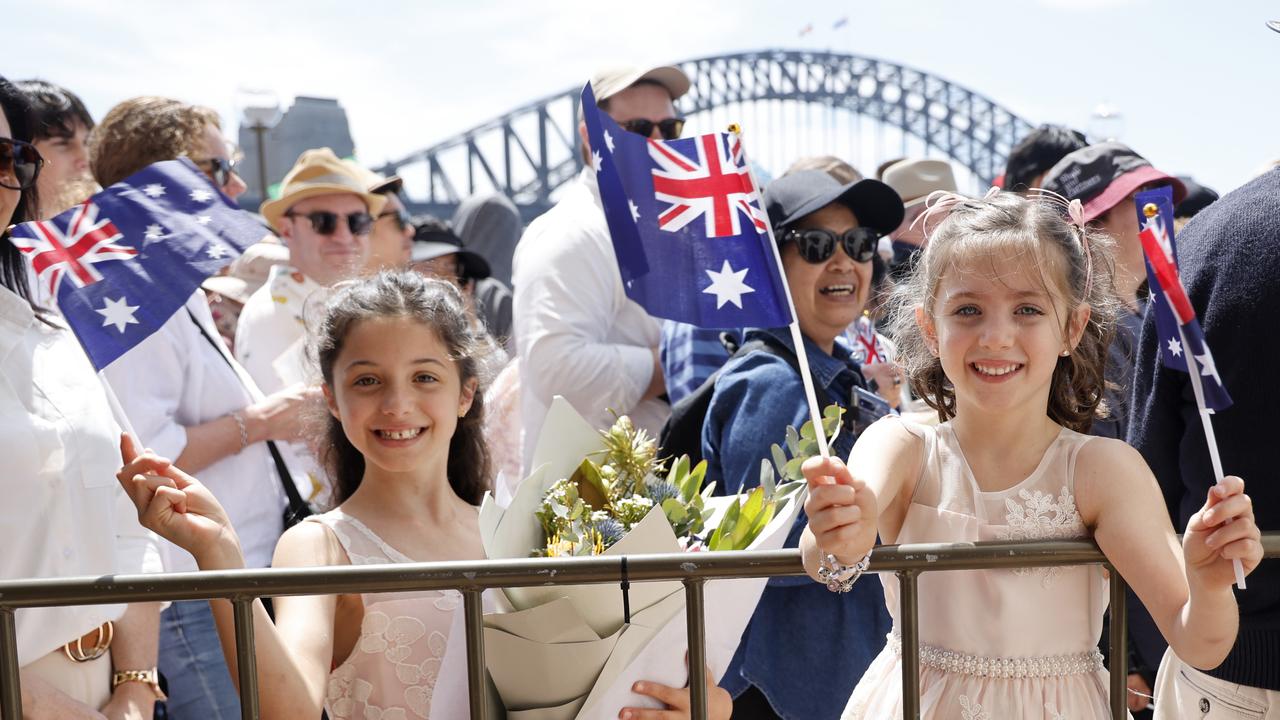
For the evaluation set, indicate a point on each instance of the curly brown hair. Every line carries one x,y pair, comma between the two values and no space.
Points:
440,306
1006,225
145,130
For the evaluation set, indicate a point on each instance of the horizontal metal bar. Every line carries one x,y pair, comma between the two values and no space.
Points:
525,572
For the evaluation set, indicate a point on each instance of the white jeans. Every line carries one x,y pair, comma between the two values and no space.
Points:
1184,693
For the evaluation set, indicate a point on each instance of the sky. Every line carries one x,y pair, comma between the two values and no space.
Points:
1194,81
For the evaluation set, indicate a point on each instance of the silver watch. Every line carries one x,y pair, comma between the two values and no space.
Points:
839,577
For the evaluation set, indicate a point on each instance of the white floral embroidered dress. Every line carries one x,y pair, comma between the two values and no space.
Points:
391,672
995,643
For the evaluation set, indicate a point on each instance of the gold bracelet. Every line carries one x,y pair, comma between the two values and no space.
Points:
150,678
244,429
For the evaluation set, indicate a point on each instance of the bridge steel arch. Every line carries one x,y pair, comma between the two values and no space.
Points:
533,149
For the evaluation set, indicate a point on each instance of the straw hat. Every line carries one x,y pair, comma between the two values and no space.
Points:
375,182
318,172
915,179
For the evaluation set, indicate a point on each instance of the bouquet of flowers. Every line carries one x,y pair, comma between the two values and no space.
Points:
566,652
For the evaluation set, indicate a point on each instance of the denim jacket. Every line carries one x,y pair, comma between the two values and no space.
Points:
805,647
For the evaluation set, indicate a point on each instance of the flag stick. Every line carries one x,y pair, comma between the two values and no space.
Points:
118,410
1207,423
802,357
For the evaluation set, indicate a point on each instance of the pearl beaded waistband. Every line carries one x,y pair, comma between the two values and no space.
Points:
998,667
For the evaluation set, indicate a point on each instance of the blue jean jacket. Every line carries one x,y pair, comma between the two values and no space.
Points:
805,647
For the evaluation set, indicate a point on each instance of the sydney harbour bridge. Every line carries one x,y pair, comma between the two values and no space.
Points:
790,104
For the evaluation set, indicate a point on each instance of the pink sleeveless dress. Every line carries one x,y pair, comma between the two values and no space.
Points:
392,670
995,644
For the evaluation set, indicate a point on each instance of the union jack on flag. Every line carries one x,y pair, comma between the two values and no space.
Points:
1176,324
687,224
867,348
120,264
72,249
713,185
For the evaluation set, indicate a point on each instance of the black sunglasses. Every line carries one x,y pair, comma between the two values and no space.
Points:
218,169
326,223
817,245
20,161
670,128
403,221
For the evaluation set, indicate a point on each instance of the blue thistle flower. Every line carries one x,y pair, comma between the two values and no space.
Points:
611,531
660,491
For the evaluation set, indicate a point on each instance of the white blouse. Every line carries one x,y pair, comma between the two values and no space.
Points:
63,513
176,379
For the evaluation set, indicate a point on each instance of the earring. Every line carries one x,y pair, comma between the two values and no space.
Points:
1066,353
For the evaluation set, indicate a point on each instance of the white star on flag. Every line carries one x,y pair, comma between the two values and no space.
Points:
635,211
154,232
1207,368
201,195
154,190
608,140
217,252
118,313
727,285
596,161
1175,347
204,219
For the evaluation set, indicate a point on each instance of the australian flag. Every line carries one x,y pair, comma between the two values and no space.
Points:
120,264
688,227
1179,331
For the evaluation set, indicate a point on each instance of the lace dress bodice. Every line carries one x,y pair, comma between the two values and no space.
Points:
1001,642
392,670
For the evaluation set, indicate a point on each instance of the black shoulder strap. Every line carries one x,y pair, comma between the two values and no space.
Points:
286,478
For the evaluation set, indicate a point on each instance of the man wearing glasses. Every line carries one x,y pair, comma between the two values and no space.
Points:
577,333
324,215
392,233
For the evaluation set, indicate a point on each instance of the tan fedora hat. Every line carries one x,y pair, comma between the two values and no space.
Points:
318,172
914,179
611,81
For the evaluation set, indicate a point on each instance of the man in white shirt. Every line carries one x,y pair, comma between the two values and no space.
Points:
324,215
577,333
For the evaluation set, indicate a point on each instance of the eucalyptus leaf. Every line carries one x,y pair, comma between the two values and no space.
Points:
766,476
793,441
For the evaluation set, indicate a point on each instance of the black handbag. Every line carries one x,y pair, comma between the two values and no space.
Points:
298,508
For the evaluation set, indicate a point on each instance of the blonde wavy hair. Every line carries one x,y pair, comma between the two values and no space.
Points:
144,130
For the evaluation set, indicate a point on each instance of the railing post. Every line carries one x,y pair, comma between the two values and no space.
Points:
10,681
696,625
1119,653
246,657
473,609
908,614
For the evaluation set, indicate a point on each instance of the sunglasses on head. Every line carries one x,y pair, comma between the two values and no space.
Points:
19,162
326,223
669,128
403,221
817,245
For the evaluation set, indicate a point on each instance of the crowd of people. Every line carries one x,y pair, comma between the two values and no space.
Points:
995,355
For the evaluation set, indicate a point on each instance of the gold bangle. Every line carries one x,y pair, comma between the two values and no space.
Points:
150,678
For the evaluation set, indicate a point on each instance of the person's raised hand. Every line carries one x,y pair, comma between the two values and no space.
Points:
177,507
1222,530
678,703
842,511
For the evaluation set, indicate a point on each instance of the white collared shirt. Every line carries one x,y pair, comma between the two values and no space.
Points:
63,514
577,332
176,379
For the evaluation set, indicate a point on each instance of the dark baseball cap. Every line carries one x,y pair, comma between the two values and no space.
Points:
1101,176
1198,198
433,238
794,196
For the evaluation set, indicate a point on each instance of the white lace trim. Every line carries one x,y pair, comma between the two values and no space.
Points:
996,667
1040,517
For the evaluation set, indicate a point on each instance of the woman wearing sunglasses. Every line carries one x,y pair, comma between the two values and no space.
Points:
188,400
827,234
58,442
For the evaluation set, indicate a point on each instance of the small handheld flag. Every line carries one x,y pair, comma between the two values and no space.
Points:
688,227
868,347
1182,343
120,264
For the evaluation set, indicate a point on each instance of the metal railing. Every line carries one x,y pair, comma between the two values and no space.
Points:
242,587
